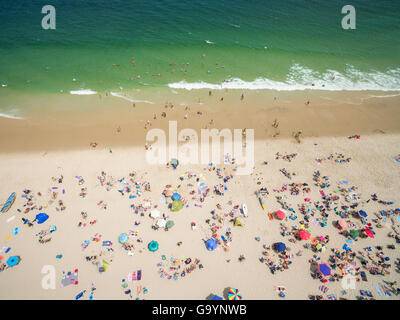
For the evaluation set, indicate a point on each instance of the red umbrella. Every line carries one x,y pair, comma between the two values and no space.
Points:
280,214
304,235
369,233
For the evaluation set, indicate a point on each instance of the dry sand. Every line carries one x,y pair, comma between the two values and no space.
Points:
36,150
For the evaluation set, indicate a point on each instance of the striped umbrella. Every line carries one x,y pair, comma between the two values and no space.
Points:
234,294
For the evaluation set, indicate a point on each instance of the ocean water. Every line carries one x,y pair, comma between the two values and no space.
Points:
192,44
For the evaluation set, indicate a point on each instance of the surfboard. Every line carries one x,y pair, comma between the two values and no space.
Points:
244,209
8,203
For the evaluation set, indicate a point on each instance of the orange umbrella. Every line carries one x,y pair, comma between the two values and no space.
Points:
304,235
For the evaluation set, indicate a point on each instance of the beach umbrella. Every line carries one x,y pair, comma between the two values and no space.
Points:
176,196
13,261
161,223
324,269
280,246
153,246
176,205
174,163
123,237
280,214
321,247
397,158
215,297
155,214
211,244
354,233
170,224
304,235
369,233
342,223
234,294
41,217
362,214
237,223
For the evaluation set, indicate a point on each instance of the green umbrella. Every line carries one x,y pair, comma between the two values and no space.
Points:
170,224
176,205
153,246
354,233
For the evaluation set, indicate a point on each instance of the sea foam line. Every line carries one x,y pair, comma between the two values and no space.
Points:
131,99
302,78
9,116
83,92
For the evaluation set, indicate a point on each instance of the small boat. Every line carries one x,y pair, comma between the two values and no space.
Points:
8,203
244,210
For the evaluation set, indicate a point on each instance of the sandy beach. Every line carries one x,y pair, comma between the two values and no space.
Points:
351,138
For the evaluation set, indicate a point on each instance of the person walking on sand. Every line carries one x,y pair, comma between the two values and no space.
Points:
242,97
297,135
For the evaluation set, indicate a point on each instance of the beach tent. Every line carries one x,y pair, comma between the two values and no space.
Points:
234,294
237,223
211,244
176,205
161,223
170,224
280,214
176,196
155,214
123,237
215,297
13,261
279,246
324,269
41,217
153,246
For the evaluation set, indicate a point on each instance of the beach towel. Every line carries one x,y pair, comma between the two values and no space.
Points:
69,278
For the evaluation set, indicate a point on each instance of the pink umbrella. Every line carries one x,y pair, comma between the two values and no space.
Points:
280,214
304,235
369,233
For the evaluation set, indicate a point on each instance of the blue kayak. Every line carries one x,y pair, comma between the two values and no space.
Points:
8,203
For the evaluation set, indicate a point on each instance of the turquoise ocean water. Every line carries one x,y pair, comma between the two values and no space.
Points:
270,44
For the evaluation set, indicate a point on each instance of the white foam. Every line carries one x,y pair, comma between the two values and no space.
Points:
83,92
129,98
9,116
209,42
302,78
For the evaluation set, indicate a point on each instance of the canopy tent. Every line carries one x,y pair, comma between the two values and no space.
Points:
354,233
342,223
155,214
161,223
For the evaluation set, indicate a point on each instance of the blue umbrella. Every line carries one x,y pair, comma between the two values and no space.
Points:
13,261
215,297
153,246
123,237
211,244
41,217
176,196
362,213
280,246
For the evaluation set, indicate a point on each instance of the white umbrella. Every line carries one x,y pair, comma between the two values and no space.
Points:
154,214
161,223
